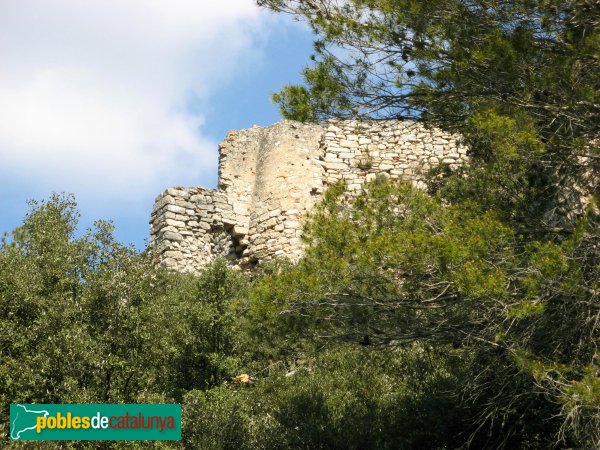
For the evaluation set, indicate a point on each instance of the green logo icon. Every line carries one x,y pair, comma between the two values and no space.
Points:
23,419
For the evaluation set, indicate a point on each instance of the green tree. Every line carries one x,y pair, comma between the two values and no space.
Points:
88,320
520,81
394,266
198,335
339,398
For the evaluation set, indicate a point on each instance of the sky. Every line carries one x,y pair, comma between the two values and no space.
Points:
117,100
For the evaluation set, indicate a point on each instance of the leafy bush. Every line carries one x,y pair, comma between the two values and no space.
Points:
346,398
88,320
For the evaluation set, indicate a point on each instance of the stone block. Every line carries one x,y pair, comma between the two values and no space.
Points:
291,224
239,231
172,236
336,166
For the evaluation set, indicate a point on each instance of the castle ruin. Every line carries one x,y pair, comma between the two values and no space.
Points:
271,177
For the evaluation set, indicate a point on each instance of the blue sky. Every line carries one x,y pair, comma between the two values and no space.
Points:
115,101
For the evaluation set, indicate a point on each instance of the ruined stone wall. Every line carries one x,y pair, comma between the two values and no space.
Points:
288,181
270,177
357,151
191,227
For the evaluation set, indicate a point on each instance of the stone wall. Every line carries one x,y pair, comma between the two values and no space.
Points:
191,227
270,177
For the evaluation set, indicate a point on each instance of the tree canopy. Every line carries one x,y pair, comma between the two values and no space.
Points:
464,316
520,80
504,258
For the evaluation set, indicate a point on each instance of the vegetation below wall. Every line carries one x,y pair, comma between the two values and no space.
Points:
466,317
408,324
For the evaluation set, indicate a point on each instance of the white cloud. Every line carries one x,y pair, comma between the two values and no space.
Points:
93,94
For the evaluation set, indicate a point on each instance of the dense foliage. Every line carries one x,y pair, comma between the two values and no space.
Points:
394,267
465,316
87,320
409,324
510,269
520,80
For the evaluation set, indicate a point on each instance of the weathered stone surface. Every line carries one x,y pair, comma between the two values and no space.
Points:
239,231
271,177
172,236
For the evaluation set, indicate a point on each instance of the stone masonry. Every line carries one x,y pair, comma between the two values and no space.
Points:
270,177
